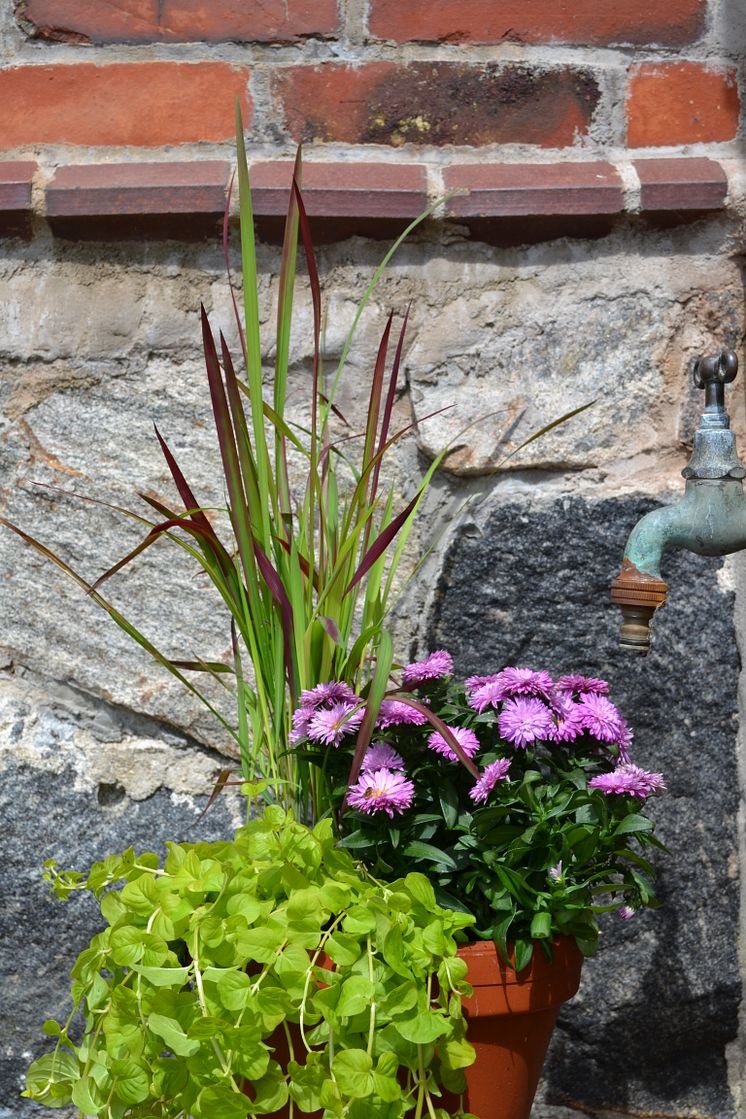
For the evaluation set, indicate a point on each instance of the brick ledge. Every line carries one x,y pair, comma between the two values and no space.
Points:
518,201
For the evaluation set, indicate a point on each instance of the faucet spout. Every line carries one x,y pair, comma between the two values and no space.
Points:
710,519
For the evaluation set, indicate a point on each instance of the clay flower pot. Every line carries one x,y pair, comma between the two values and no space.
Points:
510,1021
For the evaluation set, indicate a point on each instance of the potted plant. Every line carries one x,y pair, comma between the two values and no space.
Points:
295,968
205,993
518,795
308,575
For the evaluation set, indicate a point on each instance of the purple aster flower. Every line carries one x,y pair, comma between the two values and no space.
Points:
381,790
330,724
600,717
567,722
466,739
626,912
525,720
582,685
394,713
435,666
628,780
624,741
489,694
301,718
491,774
381,756
333,692
471,683
524,681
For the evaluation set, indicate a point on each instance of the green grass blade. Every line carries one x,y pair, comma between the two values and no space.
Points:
379,683
288,264
251,313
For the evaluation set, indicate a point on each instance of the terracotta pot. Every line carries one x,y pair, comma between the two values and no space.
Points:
510,1021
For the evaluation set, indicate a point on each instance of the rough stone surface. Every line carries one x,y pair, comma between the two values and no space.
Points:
78,780
526,582
540,338
96,343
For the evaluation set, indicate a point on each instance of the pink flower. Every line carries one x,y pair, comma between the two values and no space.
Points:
600,717
491,774
525,720
335,691
329,725
556,872
567,722
381,756
435,666
466,739
626,912
471,683
301,718
581,685
624,741
628,780
381,790
524,681
489,694
394,713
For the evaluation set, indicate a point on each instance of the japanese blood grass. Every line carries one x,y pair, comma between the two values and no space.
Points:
308,579
211,963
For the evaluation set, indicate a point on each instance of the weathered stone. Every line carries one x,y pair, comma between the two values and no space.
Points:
533,345
95,345
64,796
529,585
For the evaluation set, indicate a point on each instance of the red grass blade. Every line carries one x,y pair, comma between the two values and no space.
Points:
218,787
203,666
302,561
227,443
277,590
381,543
246,458
438,725
313,278
227,258
185,492
389,405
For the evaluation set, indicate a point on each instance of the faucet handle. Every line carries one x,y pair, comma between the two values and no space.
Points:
712,372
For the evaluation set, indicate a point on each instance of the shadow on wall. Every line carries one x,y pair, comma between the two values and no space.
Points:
660,1002
731,27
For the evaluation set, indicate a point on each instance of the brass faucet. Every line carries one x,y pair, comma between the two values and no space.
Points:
710,519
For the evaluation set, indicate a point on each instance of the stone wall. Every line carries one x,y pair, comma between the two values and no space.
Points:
594,250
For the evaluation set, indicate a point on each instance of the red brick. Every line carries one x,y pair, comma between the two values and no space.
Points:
585,22
16,181
437,103
680,103
365,190
144,103
522,189
681,184
185,200
341,199
157,21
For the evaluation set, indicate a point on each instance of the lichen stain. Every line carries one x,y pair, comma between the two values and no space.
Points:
446,103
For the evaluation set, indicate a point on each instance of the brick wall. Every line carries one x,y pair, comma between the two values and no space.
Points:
437,91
